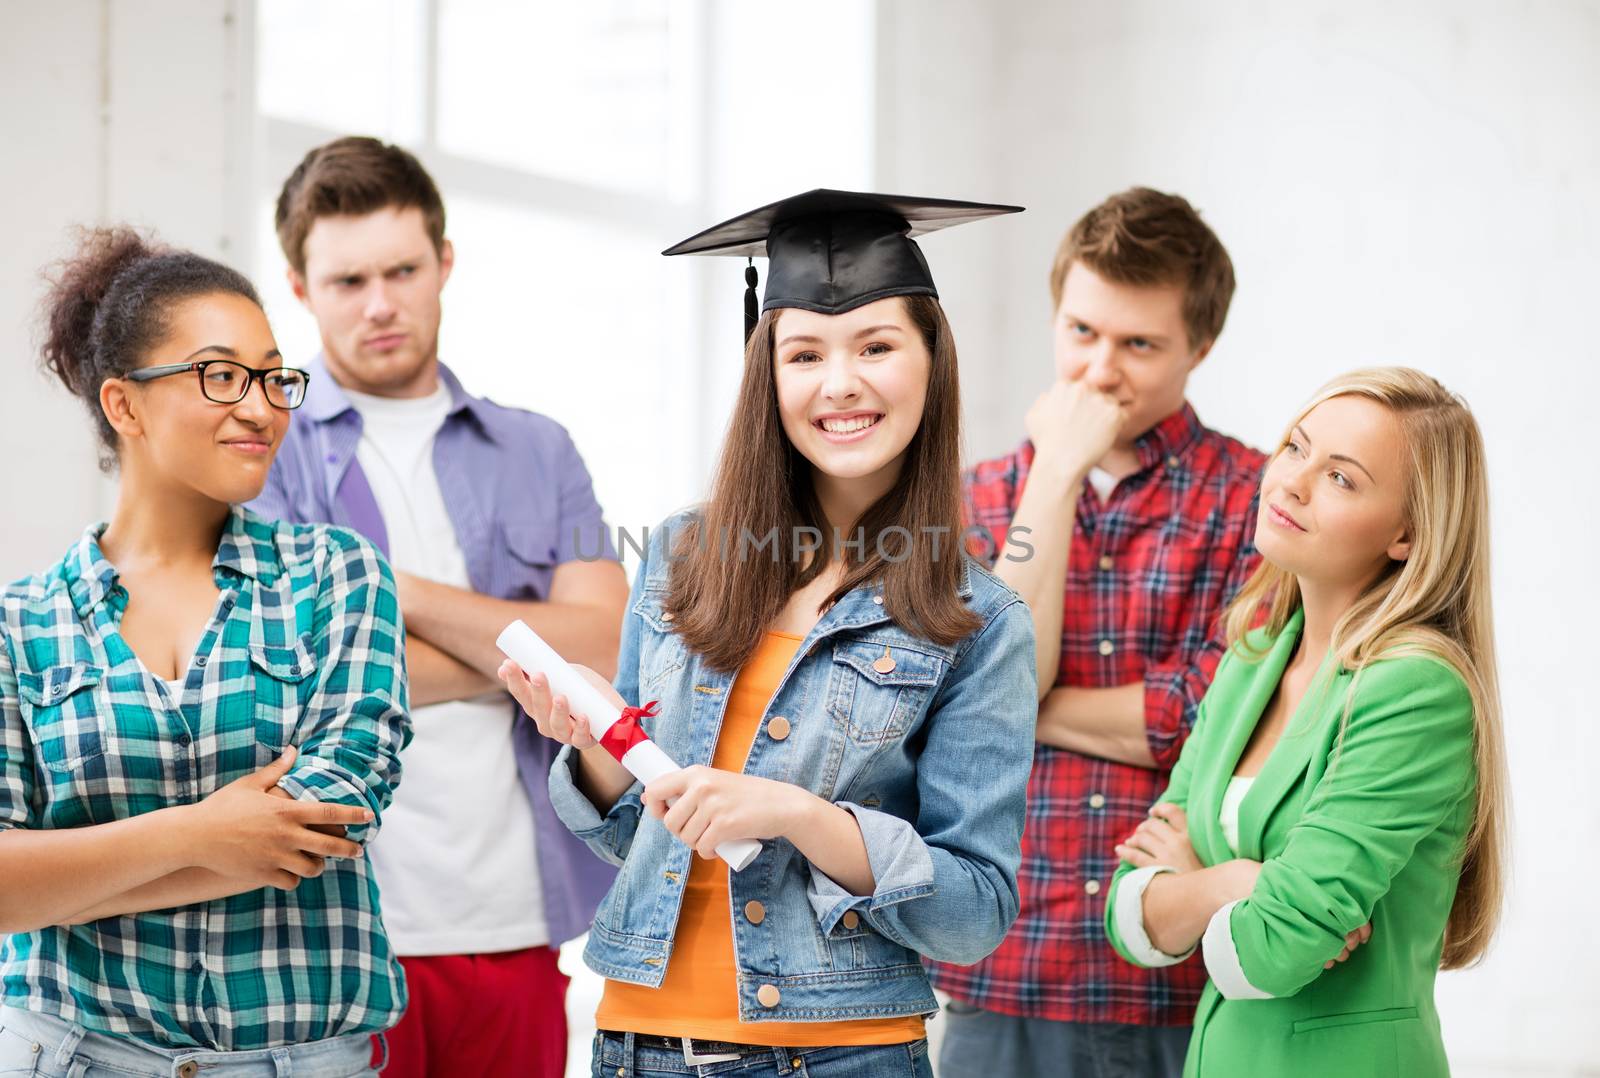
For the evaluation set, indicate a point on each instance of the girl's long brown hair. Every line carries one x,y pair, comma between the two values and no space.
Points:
721,604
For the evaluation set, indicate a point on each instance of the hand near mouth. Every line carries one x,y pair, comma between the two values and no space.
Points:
1073,426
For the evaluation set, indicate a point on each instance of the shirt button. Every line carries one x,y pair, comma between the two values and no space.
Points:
755,912
1105,563
1097,801
56,691
768,995
777,727
183,741
1092,887
1172,462
1106,648
850,920
200,661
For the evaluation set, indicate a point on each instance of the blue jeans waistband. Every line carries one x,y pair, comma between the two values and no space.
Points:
61,1044
625,1053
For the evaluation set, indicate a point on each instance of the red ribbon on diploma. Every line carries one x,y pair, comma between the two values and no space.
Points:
626,732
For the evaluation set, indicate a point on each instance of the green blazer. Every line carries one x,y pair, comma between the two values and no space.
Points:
1376,836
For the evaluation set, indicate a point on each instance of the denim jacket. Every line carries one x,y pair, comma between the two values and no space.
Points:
931,757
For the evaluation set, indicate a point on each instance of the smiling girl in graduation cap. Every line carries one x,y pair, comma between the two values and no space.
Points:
841,680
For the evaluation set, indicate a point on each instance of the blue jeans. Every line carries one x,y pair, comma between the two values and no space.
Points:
44,1046
616,1055
983,1044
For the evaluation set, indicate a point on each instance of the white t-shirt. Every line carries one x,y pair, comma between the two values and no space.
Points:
1103,483
455,858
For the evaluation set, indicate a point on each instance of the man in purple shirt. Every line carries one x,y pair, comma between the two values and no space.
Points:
486,514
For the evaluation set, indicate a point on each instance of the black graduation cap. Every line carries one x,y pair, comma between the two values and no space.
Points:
832,251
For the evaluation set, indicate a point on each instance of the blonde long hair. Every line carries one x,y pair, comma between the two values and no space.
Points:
1434,603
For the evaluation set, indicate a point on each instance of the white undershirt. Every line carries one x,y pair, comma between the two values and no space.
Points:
455,859
1103,483
1228,814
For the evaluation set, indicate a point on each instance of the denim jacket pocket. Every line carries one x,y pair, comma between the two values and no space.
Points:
661,652
878,688
63,710
280,672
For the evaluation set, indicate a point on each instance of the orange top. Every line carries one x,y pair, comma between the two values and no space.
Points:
699,997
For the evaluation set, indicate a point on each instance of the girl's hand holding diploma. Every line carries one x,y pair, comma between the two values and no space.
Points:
603,779
704,807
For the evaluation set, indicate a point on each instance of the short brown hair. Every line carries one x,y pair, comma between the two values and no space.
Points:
1145,237
353,175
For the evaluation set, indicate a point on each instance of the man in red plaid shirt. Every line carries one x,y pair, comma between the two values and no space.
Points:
1142,519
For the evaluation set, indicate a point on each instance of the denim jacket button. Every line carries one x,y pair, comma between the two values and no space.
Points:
755,912
666,616
777,727
850,920
768,995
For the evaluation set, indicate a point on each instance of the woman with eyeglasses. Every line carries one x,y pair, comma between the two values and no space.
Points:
200,716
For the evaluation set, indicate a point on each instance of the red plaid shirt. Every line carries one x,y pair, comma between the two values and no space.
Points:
1148,575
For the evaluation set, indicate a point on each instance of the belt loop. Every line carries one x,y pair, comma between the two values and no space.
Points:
79,1068
383,1046
69,1044
629,1065
282,1063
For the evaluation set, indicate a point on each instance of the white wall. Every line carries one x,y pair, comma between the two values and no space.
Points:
50,103
1409,186
108,112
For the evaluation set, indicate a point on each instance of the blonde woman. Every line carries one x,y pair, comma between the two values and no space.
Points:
1334,830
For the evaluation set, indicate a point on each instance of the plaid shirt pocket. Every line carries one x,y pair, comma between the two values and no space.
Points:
282,682
63,710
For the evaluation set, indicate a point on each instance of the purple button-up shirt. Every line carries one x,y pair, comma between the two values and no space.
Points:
521,502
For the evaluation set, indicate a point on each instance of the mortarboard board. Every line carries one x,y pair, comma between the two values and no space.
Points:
832,251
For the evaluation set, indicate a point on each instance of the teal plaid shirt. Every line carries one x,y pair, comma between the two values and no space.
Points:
304,647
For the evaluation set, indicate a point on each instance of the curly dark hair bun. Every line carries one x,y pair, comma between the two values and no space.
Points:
108,305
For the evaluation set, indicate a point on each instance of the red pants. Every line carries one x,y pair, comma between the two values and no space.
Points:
481,1014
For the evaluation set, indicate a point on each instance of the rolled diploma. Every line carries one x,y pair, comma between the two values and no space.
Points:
645,761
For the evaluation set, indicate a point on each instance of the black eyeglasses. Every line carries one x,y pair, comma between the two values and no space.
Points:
225,382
